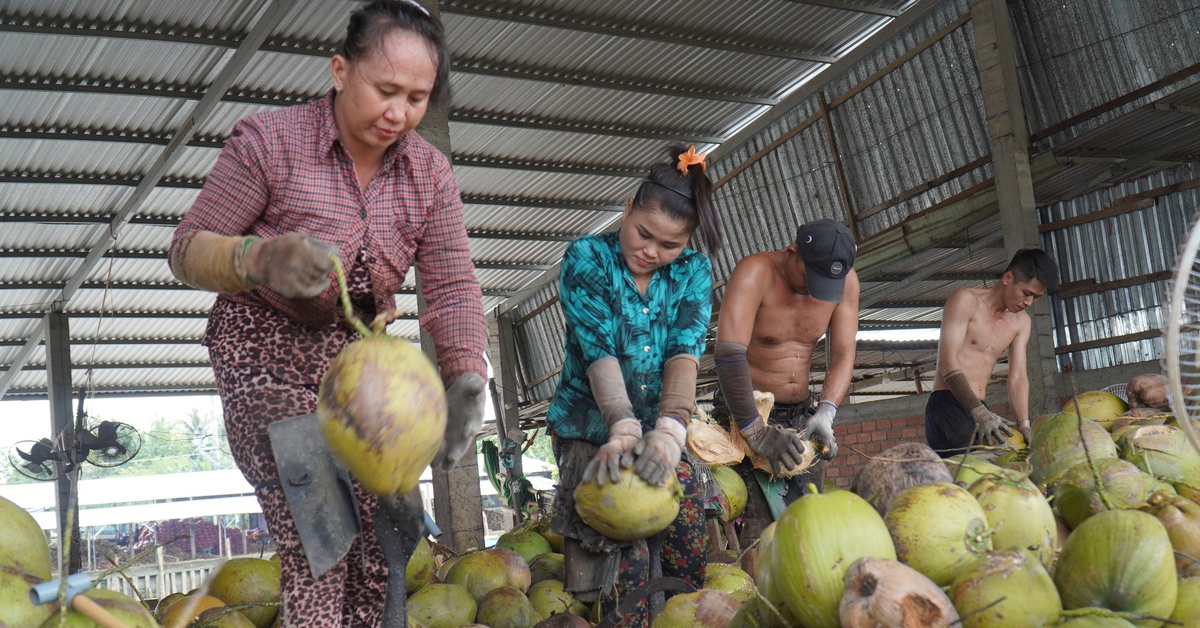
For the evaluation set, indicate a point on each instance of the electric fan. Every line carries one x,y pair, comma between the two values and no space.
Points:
110,443
36,459
1182,343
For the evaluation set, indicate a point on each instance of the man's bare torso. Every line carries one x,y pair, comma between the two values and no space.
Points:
988,334
786,330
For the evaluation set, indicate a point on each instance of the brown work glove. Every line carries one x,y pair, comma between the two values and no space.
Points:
992,428
294,265
783,448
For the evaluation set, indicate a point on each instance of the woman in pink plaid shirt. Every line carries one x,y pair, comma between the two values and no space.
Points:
345,174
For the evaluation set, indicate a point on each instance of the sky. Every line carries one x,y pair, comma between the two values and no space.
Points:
30,420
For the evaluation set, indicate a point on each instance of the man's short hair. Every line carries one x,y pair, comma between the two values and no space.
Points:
1037,264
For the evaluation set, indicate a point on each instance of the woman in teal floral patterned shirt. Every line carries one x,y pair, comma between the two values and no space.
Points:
637,305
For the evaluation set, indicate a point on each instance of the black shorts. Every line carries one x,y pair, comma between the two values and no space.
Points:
948,427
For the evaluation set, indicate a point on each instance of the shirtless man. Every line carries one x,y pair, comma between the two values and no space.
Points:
777,305
978,325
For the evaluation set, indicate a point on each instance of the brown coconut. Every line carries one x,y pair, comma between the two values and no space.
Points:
882,592
1149,391
705,608
904,466
563,620
765,402
711,444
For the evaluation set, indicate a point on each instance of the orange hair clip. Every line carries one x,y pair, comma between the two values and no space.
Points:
690,158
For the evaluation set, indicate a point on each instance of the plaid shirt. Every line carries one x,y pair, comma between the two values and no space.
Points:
286,171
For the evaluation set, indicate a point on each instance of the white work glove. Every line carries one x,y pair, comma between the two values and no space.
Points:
820,427
294,265
992,428
659,451
464,418
623,436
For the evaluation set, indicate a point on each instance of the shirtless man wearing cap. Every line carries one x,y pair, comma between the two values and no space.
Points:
978,325
777,306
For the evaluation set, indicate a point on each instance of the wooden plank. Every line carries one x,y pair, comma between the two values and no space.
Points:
924,187
1116,210
838,170
1078,289
1108,342
768,149
535,311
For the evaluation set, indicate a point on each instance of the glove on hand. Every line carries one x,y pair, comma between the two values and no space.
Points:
616,453
294,265
820,427
1023,428
783,448
659,451
992,428
464,418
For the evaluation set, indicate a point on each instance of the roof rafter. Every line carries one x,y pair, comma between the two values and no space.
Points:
62,253
157,285
850,6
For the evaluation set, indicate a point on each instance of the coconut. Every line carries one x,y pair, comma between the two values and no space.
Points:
1149,391
764,402
1181,518
1018,515
1189,489
224,617
543,527
1076,497
382,410
882,592
120,606
732,580
1095,618
1187,604
481,572
506,607
24,546
547,567
444,568
182,612
1009,588
748,616
16,609
630,509
734,489
419,569
1120,560
711,444
705,608
1162,451
897,468
249,581
816,539
1097,405
442,606
1056,446
966,468
527,543
563,620
548,597
166,601
938,529
771,607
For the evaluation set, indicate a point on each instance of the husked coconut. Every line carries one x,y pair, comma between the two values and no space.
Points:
898,468
1149,391
882,592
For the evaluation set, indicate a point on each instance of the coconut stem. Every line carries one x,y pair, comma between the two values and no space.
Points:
1087,453
345,290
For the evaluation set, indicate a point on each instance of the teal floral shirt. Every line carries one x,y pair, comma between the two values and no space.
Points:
607,316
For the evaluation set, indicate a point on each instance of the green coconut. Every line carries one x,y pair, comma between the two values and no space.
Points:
972,469
1162,451
444,568
630,509
938,529
166,601
1181,518
442,606
1076,497
382,410
506,607
563,620
1121,560
771,607
1018,515
883,592
1187,603
705,608
898,468
16,609
483,571
734,489
1008,588
121,606
548,597
816,540
249,581
547,567
732,580
419,569
748,616
1097,405
1056,446
223,617
1097,619
24,545
527,543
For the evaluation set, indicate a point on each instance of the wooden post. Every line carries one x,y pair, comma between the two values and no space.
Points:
1014,184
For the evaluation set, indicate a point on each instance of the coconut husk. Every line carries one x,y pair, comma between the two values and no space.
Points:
900,467
713,445
1076,496
1149,391
1181,517
1162,451
883,592
1140,417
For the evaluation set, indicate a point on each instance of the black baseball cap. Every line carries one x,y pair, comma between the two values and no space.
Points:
828,250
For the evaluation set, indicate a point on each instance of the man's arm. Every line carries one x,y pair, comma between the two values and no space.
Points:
1018,376
843,328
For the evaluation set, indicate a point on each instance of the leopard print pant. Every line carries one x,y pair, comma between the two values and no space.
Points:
268,368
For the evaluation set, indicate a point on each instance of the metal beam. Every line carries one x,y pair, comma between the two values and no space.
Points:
468,116
876,296
98,134
590,25
10,315
62,428
850,6
87,342
123,285
125,365
484,161
265,22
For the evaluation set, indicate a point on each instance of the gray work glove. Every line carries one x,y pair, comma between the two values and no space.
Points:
464,417
623,436
659,451
992,428
294,265
820,427
783,448
1023,428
